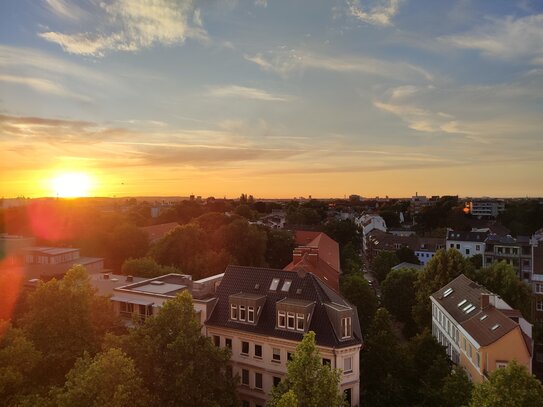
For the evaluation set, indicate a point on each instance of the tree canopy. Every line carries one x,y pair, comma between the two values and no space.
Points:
358,292
512,386
399,296
308,380
382,263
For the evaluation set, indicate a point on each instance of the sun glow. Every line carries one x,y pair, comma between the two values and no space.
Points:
72,185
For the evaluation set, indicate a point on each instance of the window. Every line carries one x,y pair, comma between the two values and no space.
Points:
258,351
300,322
244,348
501,365
477,247
539,305
242,312
348,364
274,284
289,356
276,354
538,288
452,245
327,362
467,252
458,246
228,343
286,286
245,377
281,319
276,381
258,380
250,314
290,320
345,327
217,340
234,311
347,395
478,359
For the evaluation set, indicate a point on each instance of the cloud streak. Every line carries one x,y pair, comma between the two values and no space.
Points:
515,39
132,25
235,91
43,86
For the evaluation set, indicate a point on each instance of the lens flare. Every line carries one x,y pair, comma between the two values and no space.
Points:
72,185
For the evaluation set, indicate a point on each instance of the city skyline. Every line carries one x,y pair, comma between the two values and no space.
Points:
172,98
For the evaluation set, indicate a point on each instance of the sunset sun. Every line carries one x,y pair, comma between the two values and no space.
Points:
72,185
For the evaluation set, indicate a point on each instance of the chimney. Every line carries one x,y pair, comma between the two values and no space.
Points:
129,279
485,301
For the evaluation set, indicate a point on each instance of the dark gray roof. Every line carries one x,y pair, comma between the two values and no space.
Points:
466,236
257,280
508,240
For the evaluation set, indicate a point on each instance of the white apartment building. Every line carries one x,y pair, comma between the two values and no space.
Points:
467,243
485,208
262,314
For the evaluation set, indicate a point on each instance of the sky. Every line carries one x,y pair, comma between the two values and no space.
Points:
275,98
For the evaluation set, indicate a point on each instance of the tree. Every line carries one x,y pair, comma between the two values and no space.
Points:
457,388
405,254
501,279
19,360
126,241
65,319
179,246
146,267
279,247
178,364
398,291
108,380
312,383
439,271
512,386
343,232
288,399
382,364
382,263
358,292
246,243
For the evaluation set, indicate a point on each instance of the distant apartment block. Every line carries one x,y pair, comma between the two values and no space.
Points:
515,251
485,208
480,331
262,314
467,243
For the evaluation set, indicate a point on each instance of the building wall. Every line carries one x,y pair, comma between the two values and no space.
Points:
424,256
270,368
510,347
467,249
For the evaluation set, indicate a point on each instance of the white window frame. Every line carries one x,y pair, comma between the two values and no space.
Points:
348,364
250,314
276,354
242,309
539,305
291,318
234,312
346,328
281,315
300,319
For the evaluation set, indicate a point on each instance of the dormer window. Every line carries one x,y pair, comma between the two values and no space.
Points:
234,312
286,286
290,320
281,319
246,307
242,312
250,314
294,314
300,322
346,328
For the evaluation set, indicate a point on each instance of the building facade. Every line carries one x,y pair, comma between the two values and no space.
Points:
515,251
480,331
467,243
485,208
262,314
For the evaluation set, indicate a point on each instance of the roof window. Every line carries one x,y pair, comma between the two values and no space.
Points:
447,292
462,303
483,317
495,327
286,285
274,284
471,308
466,307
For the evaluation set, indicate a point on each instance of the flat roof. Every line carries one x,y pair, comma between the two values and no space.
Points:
164,288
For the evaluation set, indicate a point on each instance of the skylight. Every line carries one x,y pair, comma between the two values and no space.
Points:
471,308
495,327
462,303
274,284
466,307
448,292
483,317
286,285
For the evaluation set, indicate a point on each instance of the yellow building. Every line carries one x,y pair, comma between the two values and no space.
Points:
479,330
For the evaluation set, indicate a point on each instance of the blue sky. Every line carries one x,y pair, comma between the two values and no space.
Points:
273,98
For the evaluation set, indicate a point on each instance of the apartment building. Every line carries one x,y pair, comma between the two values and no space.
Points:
485,208
262,314
467,243
479,330
515,251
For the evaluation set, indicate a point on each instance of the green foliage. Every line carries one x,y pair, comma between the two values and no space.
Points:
279,248
124,242
358,292
309,213
108,380
245,211
457,388
477,261
146,267
522,217
312,383
350,259
398,295
178,364
343,232
19,360
501,279
405,254
446,212
512,386
381,364
288,399
382,263
439,271
246,243
60,321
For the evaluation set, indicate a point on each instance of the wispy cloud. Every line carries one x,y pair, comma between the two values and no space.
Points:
244,92
284,61
132,25
378,12
62,9
261,3
43,86
516,39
